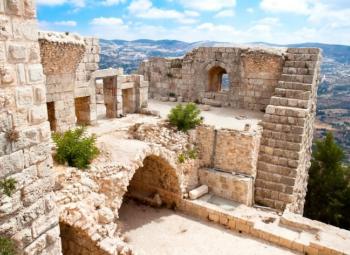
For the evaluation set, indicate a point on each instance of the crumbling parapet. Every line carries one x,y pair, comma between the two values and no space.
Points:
29,216
61,54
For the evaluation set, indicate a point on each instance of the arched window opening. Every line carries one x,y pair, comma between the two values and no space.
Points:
218,80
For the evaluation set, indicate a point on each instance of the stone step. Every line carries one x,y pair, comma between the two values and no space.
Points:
211,102
308,79
238,188
294,85
289,102
277,169
298,70
304,50
302,57
301,64
293,121
279,144
293,93
283,128
278,152
278,161
287,111
295,138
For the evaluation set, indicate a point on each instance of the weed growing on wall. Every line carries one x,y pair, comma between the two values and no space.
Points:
8,187
189,154
75,148
6,246
185,117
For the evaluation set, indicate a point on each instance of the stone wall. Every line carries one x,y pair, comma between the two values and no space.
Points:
122,94
60,55
229,150
253,75
29,216
285,150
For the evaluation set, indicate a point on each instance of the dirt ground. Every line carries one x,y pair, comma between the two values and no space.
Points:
218,117
165,232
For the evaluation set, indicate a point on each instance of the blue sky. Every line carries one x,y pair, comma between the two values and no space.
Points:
239,21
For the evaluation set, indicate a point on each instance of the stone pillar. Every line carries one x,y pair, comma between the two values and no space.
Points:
29,216
113,99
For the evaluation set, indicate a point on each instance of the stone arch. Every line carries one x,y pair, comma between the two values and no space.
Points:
155,176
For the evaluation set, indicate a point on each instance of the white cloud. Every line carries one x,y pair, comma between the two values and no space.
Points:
250,10
225,13
208,5
112,2
109,21
145,9
66,23
291,6
76,3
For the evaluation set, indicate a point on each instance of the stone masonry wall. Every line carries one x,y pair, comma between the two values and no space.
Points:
285,150
253,75
29,216
60,55
230,151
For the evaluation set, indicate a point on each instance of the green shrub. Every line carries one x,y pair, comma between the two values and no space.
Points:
75,148
185,117
192,154
181,158
6,246
8,186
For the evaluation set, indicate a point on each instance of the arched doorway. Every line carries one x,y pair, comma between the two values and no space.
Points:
218,79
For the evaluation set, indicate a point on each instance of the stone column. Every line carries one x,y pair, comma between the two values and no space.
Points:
29,216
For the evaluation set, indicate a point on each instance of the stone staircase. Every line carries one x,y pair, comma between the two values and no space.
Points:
285,144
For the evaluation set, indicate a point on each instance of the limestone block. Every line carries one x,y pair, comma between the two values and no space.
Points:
35,73
17,52
24,96
105,215
8,75
198,192
38,114
29,8
238,188
36,247
6,27
11,164
13,6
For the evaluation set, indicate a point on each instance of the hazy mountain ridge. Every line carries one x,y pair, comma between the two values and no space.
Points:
334,92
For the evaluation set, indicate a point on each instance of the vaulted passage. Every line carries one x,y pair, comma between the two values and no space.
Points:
218,79
156,179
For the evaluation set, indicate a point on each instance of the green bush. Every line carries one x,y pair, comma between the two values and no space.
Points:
328,195
185,117
181,158
75,148
6,246
192,154
8,186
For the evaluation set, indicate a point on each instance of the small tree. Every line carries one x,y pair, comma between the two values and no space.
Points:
328,196
75,148
6,246
185,117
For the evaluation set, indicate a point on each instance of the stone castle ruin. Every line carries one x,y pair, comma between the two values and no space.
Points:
254,159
